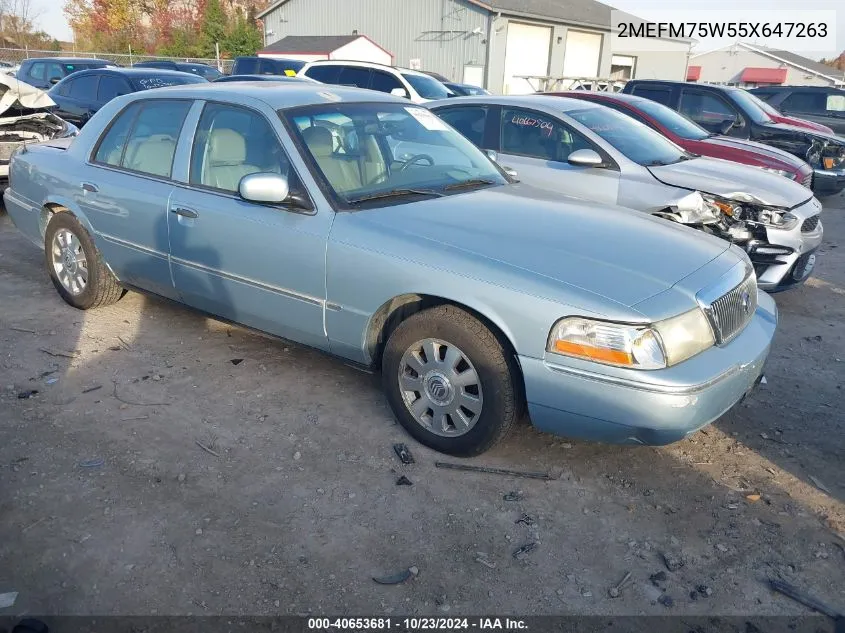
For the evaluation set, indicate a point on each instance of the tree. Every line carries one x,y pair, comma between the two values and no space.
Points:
213,29
837,62
243,37
17,22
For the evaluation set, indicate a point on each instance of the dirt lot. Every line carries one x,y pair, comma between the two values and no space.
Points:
109,505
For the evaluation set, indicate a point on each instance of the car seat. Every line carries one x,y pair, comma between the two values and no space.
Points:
225,161
342,174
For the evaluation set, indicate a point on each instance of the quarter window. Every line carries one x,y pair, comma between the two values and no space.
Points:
813,102
354,76
661,95
110,149
529,133
836,103
384,82
231,143
324,74
37,71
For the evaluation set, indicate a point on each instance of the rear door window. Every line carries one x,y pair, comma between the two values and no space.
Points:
384,82
111,87
354,76
112,143
468,120
655,93
84,88
536,135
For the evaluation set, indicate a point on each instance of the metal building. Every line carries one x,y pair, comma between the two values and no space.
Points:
491,43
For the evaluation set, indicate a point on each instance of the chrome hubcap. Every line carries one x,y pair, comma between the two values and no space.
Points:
440,387
69,261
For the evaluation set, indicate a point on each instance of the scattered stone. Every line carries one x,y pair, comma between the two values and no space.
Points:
658,578
613,592
198,531
525,519
181,478
648,493
297,456
522,552
753,498
666,600
26,395
722,547
404,481
414,570
672,562
586,593
704,590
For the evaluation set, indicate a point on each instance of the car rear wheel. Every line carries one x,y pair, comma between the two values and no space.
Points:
450,381
75,266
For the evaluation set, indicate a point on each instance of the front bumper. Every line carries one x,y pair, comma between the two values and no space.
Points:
575,398
828,182
787,257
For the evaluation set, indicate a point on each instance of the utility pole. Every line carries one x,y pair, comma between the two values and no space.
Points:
217,53
130,55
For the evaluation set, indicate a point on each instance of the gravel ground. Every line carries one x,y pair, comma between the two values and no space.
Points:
152,474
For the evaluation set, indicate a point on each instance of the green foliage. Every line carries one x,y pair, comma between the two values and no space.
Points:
213,29
243,38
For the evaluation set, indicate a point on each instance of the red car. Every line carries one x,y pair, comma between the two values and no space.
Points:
696,139
778,117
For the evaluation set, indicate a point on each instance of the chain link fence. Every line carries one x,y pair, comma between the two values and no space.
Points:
17,55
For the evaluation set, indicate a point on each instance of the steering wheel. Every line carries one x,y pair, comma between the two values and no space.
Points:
415,159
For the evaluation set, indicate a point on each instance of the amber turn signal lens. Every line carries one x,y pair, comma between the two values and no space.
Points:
827,161
594,353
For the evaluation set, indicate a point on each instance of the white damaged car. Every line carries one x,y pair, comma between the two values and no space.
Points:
25,117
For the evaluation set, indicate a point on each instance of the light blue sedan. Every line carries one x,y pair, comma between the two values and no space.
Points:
364,226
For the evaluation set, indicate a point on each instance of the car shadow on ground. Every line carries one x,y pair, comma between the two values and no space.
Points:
218,471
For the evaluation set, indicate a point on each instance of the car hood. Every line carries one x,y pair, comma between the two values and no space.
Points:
795,129
22,98
726,178
762,151
803,123
619,254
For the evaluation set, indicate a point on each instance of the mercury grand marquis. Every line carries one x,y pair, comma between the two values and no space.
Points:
299,211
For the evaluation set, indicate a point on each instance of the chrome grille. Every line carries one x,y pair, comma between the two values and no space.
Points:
808,180
810,224
730,313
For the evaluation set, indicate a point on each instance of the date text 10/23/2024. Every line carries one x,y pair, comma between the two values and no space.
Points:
417,624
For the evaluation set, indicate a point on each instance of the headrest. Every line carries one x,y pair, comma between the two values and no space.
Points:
319,140
226,147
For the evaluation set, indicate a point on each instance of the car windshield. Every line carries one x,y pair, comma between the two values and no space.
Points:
672,121
205,71
635,140
750,105
368,152
427,87
148,82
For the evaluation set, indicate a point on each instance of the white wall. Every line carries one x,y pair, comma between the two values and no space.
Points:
726,66
362,50
665,59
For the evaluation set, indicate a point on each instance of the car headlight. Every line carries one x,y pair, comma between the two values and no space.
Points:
654,346
781,172
754,214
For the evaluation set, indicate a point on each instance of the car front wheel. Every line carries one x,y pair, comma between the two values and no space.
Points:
450,381
75,266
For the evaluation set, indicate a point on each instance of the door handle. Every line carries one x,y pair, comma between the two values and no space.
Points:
184,212
91,188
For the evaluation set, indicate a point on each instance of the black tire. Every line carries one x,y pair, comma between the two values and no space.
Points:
496,368
102,288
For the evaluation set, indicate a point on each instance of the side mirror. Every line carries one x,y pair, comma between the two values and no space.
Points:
727,125
264,188
400,92
584,158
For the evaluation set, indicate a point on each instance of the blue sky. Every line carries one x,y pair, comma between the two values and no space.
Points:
53,21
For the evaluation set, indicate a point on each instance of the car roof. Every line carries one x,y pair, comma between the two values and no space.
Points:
667,82
292,95
132,72
599,96
802,88
561,104
355,62
69,60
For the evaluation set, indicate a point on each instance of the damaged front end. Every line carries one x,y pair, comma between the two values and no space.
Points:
780,242
25,117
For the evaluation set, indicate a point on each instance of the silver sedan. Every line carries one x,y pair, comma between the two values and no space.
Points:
590,151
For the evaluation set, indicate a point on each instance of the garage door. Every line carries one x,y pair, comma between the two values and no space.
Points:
527,53
582,53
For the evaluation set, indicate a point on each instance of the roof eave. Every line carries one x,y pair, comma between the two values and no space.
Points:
789,63
546,18
272,7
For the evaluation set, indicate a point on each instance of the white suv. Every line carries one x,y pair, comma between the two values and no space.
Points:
413,85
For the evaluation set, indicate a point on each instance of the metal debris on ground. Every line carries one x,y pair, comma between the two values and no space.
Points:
8,599
92,463
404,454
753,498
483,558
512,496
404,481
51,381
23,329
26,395
525,519
207,449
58,352
395,579
135,417
616,591
495,471
807,600
90,389
236,361
524,551
815,481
